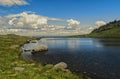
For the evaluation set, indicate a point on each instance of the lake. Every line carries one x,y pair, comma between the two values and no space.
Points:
98,57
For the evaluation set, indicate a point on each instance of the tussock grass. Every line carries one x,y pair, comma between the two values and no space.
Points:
9,59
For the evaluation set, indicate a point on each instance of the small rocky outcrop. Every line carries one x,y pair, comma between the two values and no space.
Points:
40,48
61,65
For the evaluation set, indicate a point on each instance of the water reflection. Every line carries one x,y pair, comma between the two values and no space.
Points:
109,42
100,57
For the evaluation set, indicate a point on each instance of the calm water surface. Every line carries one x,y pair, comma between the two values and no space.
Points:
99,57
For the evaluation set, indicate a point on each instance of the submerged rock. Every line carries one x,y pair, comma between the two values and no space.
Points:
40,48
61,65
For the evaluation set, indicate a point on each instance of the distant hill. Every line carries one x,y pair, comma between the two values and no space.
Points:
110,30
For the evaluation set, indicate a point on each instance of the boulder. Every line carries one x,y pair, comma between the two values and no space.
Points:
61,65
40,49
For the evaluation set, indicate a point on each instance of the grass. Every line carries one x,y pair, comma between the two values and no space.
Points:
9,59
111,33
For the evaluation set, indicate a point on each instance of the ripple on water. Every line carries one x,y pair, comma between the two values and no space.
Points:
99,57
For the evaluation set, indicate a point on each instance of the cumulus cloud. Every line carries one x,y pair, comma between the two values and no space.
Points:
28,20
1,20
12,2
72,22
100,23
29,23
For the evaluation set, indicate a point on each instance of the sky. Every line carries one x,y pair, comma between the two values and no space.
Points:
61,16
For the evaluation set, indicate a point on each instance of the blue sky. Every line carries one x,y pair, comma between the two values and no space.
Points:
85,11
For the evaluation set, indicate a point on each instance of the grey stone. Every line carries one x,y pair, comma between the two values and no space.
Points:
40,49
61,65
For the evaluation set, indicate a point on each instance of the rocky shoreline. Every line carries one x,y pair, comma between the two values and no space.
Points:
36,48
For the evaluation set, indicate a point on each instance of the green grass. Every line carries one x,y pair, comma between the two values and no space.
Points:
111,33
9,59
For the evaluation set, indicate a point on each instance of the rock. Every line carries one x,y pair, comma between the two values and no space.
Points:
61,65
19,68
40,49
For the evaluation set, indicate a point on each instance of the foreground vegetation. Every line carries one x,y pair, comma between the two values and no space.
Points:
12,66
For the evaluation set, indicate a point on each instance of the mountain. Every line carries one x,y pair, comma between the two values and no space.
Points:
110,30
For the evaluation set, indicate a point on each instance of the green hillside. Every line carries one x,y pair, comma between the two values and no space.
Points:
110,30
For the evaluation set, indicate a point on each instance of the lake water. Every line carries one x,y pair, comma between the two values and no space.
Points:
98,57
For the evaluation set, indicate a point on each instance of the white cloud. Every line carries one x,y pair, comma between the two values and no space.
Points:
60,27
12,2
73,22
100,23
12,21
29,23
1,20
28,20
69,27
